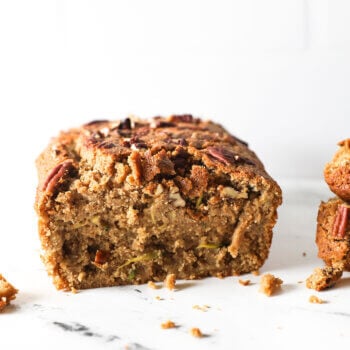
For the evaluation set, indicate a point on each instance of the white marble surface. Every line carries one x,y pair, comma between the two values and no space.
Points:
239,316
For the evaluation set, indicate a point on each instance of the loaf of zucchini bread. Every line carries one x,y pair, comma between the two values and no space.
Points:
126,202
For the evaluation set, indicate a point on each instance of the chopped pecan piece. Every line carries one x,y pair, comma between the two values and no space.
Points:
125,124
163,124
136,143
56,174
106,145
183,118
182,142
341,221
227,157
101,257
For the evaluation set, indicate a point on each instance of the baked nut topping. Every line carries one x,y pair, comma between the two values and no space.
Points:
56,174
130,201
341,221
227,157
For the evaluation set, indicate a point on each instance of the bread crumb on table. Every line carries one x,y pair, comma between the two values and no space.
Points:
244,282
269,284
170,281
168,324
152,285
316,300
196,332
323,278
7,292
203,308
256,273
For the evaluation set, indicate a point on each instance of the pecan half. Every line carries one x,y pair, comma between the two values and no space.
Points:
106,144
163,124
341,221
137,143
101,256
227,157
183,118
125,124
56,174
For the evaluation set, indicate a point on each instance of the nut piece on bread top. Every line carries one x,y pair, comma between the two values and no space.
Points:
125,202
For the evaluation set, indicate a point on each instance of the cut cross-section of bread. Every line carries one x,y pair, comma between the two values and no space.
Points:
333,233
126,202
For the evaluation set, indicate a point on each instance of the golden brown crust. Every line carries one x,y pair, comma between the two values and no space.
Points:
130,201
337,172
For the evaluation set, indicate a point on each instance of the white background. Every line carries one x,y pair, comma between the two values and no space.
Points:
276,73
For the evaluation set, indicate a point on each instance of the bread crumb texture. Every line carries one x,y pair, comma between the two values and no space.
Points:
323,278
244,282
203,308
269,284
168,324
196,332
170,281
7,292
152,285
316,300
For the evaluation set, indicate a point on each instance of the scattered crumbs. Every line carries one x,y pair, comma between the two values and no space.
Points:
304,254
152,285
158,297
203,308
256,273
316,300
244,282
170,281
137,290
300,281
7,292
196,332
323,278
168,324
269,284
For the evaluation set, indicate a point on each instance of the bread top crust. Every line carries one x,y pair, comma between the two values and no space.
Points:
337,171
176,147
